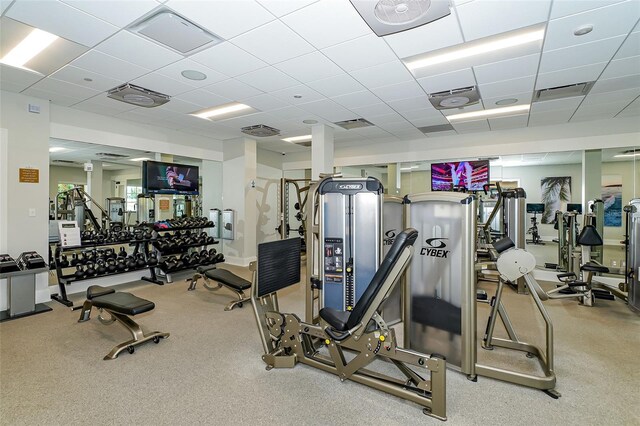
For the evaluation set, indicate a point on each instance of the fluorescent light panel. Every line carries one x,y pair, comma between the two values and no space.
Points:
474,48
637,154
298,138
139,159
57,149
28,48
512,110
222,110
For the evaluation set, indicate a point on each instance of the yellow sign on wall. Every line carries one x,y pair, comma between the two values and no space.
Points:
164,204
29,176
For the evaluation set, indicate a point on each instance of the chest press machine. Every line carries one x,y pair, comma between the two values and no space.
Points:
287,340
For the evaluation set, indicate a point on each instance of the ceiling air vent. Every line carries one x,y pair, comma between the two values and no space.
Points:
392,16
456,98
354,124
171,30
571,90
64,162
111,155
260,131
138,96
435,129
305,143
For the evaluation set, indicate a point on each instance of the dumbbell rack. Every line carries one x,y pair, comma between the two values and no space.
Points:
141,246
181,250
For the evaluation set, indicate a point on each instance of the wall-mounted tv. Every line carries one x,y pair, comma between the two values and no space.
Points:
169,178
454,175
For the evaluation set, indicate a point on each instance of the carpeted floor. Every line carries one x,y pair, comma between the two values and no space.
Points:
210,371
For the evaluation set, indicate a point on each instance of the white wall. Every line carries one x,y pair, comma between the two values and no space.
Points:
62,174
27,146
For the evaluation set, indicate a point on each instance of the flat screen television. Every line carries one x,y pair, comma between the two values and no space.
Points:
471,175
576,207
535,208
169,178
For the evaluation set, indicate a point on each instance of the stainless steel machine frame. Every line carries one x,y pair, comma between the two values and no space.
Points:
284,199
75,202
632,273
393,224
596,208
116,207
145,207
514,219
345,216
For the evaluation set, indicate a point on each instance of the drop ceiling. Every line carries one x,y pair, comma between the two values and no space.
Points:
325,53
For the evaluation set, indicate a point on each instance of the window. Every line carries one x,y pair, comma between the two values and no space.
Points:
131,197
68,186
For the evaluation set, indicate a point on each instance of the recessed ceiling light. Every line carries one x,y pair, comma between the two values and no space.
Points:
140,159
297,96
298,138
193,75
310,121
507,101
28,48
57,149
637,154
582,30
474,48
516,109
223,111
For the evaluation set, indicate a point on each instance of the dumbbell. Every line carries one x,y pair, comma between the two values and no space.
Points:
79,273
111,265
130,262
122,253
90,270
64,262
195,259
120,265
141,262
101,267
152,261
74,259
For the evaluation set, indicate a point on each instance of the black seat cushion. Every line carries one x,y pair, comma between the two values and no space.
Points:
123,303
228,278
504,244
592,267
335,318
589,236
97,290
405,239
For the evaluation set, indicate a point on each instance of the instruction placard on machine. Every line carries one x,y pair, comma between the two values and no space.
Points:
333,260
69,233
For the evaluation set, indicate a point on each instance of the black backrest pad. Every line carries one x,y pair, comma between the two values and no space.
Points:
589,236
278,265
504,244
405,239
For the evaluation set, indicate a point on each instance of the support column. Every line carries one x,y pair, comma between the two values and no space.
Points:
94,188
239,194
321,150
393,179
164,200
591,176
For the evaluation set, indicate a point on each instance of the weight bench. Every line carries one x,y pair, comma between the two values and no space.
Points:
224,278
120,305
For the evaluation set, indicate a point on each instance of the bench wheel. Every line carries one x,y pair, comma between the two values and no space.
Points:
156,340
240,305
131,349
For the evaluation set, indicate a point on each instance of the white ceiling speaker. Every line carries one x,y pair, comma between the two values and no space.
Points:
393,16
139,96
456,98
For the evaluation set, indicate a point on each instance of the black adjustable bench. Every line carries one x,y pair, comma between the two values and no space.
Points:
120,305
224,278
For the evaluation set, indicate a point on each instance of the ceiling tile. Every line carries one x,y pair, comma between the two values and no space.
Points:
568,76
162,84
108,65
503,16
448,81
549,117
283,7
232,89
18,78
179,106
410,104
567,104
425,112
506,87
134,49
203,98
310,67
268,79
119,13
64,88
357,99
313,23
613,20
389,120
471,108
290,112
175,69
265,102
622,96
622,67
513,122
613,84
630,47
56,98
435,35
570,7
226,18
228,59
89,106
362,52
273,42
394,92
383,75
307,95
4,4
328,109
337,85
507,70
471,126
62,20
75,75
522,99
599,111
583,54
373,110
103,102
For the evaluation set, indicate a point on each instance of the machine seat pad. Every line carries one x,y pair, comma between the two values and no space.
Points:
228,278
205,268
504,244
335,318
97,291
592,267
123,303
